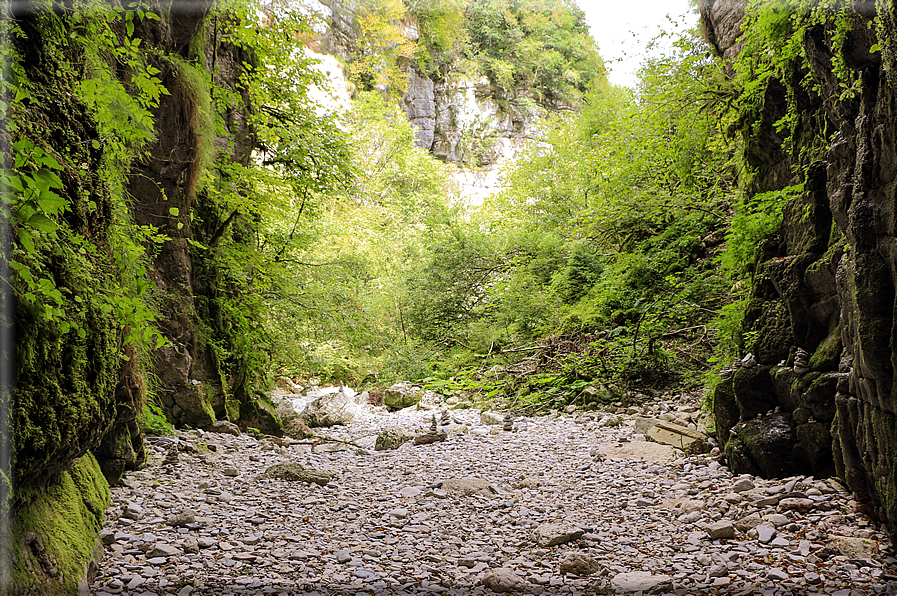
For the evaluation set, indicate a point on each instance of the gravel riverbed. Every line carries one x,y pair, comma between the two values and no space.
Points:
564,504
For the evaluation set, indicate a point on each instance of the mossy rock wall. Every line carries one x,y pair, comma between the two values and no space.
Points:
72,391
828,287
209,364
77,396
54,547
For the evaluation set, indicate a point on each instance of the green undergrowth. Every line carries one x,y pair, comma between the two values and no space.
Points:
152,420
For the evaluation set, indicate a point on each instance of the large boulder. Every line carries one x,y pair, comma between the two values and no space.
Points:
331,409
552,534
294,425
762,447
689,440
260,413
504,580
401,395
392,438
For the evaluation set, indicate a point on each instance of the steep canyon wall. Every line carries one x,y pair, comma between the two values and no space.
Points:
821,314
77,395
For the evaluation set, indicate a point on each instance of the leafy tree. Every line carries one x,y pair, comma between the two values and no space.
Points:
541,44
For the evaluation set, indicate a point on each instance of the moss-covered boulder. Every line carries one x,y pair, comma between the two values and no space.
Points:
259,412
813,449
401,395
725,409
392,438
762,447
296,472
754,391
54,538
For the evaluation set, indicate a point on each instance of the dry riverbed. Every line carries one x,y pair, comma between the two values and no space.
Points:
562,504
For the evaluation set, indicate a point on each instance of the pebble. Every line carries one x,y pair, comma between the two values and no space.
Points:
385,523
765,533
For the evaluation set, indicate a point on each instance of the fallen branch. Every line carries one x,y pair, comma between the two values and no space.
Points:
524,349
326,439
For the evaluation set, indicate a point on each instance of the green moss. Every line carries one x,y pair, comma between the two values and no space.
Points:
55,537
828,354
195,88
232,409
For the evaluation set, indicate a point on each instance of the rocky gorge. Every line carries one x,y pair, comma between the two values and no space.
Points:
570,503
798,496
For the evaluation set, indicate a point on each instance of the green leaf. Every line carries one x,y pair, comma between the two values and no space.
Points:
42,223
49,161
27,239
15,183
52,203
174,211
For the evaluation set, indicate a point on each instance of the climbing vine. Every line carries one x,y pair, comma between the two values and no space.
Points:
51,211
776,35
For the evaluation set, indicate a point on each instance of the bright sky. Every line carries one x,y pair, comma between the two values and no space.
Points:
623,29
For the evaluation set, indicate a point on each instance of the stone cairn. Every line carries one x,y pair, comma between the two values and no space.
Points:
171,456
801,361
433,427
508,423
445,420
749,361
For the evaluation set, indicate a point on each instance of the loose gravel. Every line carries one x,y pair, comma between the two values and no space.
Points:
620,515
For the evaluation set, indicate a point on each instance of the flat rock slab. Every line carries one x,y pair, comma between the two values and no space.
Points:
504,580
224,427
644,423
427,438
552,534
855,548
330,447
687,439
640,581
469,486
640,450
723,529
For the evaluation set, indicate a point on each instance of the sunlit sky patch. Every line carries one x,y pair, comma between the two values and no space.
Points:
623,30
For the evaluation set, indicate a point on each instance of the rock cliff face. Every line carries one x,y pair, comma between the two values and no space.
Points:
826,283
458,119
197,388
